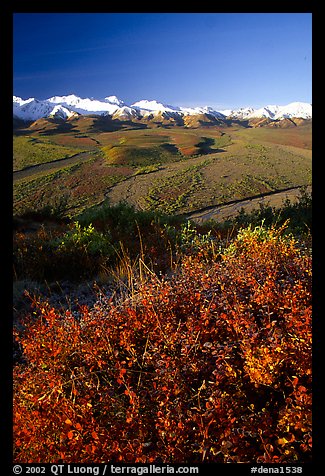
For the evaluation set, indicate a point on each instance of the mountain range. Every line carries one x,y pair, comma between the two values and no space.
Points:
71,106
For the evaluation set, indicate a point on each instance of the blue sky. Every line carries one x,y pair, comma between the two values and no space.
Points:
224,60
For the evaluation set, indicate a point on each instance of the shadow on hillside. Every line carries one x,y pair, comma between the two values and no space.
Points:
20,127
171,148
239,122
107,124
206,146
62,128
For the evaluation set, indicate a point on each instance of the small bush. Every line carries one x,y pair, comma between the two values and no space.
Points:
86,239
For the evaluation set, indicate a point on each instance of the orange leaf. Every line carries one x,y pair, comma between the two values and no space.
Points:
70,435
68,422
94,435
282,441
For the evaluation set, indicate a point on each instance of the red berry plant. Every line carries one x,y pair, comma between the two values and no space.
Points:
211,364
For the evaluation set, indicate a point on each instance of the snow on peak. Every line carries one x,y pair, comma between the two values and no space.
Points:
273,112
114,100
154,106
32,109
85,105
125,113
266,111
202,110
20,101
62,112
294,109
241,113
70,98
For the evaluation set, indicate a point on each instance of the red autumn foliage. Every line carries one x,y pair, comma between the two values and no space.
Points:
210,365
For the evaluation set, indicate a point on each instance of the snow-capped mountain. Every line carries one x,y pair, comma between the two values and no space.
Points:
88,106
154,106
62,112
114,100
66,107
266,111
33,109
295,109
125,113
190,111
240,113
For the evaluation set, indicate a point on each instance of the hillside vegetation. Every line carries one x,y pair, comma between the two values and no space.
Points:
196,349
151,167
141,336
29,150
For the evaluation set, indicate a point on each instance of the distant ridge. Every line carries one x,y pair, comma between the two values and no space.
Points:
67,107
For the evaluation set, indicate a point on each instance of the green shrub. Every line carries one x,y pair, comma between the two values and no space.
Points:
84,239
